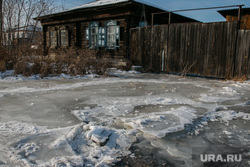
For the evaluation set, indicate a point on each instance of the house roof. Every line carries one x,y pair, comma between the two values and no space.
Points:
234,12
111,2
103,3
99,3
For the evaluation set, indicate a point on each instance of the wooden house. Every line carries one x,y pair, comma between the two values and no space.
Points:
101,28
232,15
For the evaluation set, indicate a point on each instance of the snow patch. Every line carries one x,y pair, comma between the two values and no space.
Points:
68,161
97,145
21,128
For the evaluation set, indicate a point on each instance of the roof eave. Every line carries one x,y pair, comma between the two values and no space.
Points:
79,10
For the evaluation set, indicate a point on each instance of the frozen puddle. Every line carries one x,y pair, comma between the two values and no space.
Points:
97,122
161,123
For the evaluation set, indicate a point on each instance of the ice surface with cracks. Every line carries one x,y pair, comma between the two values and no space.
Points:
152,112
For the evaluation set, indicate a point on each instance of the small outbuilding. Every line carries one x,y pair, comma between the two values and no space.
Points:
100,29
232,15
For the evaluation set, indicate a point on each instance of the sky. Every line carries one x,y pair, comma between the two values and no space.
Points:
171,5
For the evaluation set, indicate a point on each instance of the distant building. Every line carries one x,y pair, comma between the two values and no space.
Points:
232,15
22,35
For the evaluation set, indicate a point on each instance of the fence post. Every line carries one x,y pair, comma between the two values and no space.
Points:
168,42
236,43
151,55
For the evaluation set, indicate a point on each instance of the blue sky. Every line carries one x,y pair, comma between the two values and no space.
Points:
170,5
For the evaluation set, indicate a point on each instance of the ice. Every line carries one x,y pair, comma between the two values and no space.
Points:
159,124
87,121
20,128
225,116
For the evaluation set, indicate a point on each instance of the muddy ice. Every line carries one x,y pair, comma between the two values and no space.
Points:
99,121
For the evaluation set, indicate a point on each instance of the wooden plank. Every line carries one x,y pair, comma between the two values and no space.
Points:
204,49
243,55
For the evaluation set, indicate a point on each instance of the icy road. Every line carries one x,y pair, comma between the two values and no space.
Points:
97,121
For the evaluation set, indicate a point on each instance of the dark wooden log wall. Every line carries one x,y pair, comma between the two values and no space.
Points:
211,49
79,45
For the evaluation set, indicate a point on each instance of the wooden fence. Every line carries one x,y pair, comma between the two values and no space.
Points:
211,49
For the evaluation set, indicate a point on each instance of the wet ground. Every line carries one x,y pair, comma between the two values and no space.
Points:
141,119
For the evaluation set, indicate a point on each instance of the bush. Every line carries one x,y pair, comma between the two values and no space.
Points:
2,66
3,56
82,62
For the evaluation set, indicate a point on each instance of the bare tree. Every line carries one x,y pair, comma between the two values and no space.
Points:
18,19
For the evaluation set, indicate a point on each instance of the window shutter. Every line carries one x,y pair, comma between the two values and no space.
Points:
47,39
66,38
59,38
56,38
117,36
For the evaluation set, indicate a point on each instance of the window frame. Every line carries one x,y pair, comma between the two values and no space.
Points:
64,40
53,39
108,36
115,35
93,36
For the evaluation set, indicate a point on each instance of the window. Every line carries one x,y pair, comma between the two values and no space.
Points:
57,37
108,36
93,35
113,35
102,37
64,41
53,39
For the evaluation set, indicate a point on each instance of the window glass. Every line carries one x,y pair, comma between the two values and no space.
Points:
53,39
94,35
101,37
108,36
113,35
64,38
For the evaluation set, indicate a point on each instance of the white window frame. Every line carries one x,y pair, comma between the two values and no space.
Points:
112,35
108,36
93,35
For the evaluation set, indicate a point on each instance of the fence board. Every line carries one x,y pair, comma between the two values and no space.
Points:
243,56
209,49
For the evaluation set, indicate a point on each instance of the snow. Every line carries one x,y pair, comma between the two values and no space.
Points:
20,128
99,3
94,121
